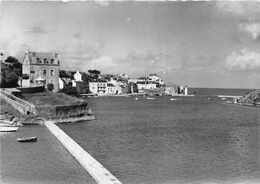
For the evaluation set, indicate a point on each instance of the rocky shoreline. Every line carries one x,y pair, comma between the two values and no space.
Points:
73,119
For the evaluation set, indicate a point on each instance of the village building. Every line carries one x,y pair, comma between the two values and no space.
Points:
98,87
78,77
146,85
155,78
40,69
111,89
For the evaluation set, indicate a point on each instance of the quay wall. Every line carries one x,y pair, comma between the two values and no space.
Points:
99,173
22,106
61,110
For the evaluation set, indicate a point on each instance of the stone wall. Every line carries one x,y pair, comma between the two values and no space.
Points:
61,110
22,106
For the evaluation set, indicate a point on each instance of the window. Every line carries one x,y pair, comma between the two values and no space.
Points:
51,81
44,72
38,60
52,61
32,71
52,72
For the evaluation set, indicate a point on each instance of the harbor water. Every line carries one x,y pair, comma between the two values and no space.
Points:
187,140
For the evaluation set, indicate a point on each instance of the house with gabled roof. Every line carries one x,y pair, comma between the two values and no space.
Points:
40,69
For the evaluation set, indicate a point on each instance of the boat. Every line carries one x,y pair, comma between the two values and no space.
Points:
8,128
27,139
149,98
172,99
136,98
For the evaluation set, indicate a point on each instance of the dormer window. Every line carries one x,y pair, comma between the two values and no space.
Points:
45,61
38,60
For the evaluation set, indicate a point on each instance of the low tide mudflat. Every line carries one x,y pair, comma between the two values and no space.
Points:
45,161
190,140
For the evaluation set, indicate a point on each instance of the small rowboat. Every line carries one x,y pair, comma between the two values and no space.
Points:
8,129
149,98
27,139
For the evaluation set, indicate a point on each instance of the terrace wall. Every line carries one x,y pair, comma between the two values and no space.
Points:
22,106
61,110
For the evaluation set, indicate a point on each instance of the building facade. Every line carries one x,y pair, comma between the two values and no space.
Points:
155,78
98,87
41,69
78,76
146,85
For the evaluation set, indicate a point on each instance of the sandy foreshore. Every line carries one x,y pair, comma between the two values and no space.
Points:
44,161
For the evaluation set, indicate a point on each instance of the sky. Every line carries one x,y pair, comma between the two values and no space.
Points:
199,44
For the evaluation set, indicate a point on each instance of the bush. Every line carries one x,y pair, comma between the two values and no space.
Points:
70,91
11,70
50,87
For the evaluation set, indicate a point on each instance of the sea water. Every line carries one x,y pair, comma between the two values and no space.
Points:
188,140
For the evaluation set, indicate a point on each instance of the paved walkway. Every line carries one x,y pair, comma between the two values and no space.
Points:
45,161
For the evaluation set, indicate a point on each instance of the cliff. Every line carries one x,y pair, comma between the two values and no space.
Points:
253,97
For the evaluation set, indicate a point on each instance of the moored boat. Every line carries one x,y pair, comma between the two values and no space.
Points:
8,128
149,98
27,139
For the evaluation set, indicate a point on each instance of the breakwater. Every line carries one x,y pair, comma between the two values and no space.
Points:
22,106
100,174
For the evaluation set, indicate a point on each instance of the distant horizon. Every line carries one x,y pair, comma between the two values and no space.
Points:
189,43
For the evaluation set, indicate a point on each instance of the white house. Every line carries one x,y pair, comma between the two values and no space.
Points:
78,76
123,76
146,85
98,87
155,78
62,83
111,89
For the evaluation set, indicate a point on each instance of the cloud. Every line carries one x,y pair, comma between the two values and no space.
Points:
243,61
198,62
103,3
78,52
35,30
128,19
251,28
105,64
240,8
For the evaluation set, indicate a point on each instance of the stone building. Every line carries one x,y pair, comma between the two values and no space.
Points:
40,69
98,87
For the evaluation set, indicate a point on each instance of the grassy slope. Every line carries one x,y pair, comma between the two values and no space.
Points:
47,98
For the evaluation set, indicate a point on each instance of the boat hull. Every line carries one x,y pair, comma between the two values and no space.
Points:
8,129
27,139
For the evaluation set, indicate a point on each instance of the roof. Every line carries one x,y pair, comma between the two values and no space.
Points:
140,82
34,57
110,85
122,86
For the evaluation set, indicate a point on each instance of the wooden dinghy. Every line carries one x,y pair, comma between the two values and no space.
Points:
8,128
27,139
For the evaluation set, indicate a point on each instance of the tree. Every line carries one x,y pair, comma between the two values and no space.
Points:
69,91
11,70
50,87
97,72
63,74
